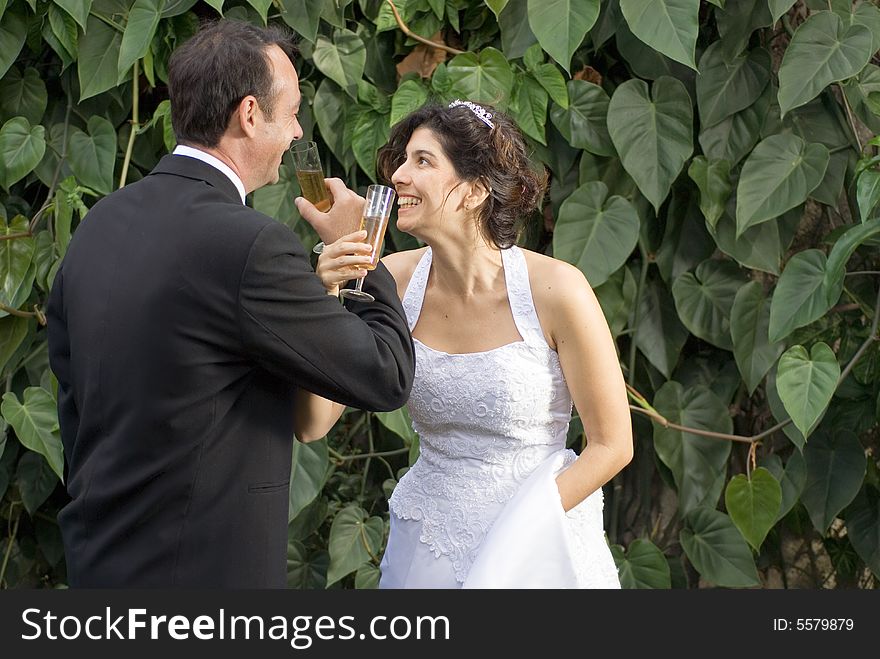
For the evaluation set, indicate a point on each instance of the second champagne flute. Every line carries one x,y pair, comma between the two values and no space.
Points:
377,211
310,174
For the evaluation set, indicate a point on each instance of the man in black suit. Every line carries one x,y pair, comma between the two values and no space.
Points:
182,323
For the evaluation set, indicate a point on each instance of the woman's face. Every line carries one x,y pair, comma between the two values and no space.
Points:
427,186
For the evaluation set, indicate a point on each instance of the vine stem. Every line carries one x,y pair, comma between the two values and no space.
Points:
849,116
12,535
433,44
36,313
135,122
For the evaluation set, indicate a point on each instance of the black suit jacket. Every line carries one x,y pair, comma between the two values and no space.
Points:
180,324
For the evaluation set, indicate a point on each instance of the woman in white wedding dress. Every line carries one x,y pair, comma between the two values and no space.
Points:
506,339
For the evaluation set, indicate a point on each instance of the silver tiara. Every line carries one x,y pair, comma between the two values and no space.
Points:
478,110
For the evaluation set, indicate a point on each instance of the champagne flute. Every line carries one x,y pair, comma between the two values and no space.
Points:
310,174
377,211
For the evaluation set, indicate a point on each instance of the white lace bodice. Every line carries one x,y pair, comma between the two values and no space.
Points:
485,421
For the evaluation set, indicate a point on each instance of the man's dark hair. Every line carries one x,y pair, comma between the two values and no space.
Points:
210,74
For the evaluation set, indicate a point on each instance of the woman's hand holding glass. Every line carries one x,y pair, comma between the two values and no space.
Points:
343,260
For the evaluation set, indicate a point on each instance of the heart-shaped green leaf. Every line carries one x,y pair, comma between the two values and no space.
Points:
836,466
660,336
342,60
753,504
704,300
843,249
36,480
863,527
529,107
749,327
713,180
595,232
653,135
36,424
409,96
13,32
355,538
16,258
733,138
303,16
778,175
695,461
801,295
717,550
78,9
823,50
792,478
779,7
21,148
306,571
400,423
616,297
483,78
13,329
98,58
92,156
806,382
143,19
642,565
561,25
584,123
549,77
669,26
737,22
23,95
308,474
726,87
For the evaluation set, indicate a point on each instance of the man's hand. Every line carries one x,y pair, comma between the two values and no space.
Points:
342,219
344,260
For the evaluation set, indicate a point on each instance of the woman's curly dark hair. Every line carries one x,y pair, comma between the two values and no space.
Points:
495,156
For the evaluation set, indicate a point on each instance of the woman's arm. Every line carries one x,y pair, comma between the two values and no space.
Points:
589,361
339,262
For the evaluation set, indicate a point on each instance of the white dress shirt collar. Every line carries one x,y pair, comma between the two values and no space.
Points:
198,154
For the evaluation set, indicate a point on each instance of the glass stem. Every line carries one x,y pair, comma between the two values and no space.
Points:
359,285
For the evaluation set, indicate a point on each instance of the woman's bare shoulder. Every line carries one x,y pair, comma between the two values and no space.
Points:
401,265
547,274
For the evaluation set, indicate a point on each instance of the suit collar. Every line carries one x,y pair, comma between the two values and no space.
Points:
198,171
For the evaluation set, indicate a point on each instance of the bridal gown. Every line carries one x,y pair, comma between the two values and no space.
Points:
480,507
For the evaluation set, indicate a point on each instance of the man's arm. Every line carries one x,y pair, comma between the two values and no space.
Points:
362,357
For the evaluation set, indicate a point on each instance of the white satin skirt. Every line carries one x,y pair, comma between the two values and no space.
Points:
533,543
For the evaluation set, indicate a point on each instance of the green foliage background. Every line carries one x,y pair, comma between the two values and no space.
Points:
714,175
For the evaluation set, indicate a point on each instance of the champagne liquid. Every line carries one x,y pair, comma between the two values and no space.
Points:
375,227
311,181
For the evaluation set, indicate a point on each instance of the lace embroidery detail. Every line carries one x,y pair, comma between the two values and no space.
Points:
485,420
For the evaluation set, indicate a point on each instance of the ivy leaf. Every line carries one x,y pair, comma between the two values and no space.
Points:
354,539
642,565
777,176
801,294
695,463
483,78
309,471
670,26
836,466
584,123
98,58
753,504
92,155
823,50
36,424
409,96
863,527
806,382
717,550
726,87
595,232
561,25
36,481
343,60
143,19
653,133
749,330
21,149
704,300
16,259
713,180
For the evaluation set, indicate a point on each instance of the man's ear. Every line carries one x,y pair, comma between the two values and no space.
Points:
246,115
477,193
